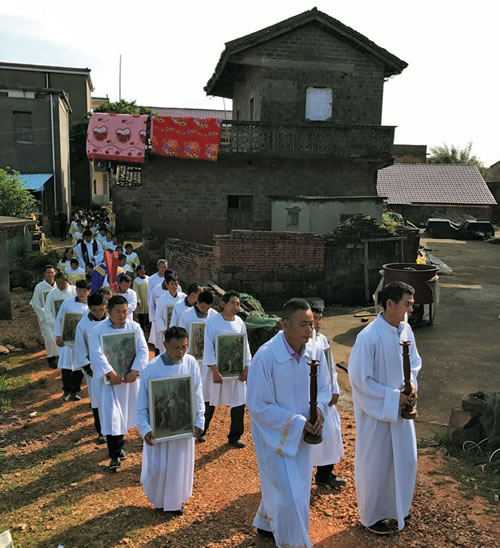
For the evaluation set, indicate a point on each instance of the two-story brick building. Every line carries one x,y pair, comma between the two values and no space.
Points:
38,104
307,104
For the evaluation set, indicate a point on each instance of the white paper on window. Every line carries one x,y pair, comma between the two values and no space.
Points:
318,103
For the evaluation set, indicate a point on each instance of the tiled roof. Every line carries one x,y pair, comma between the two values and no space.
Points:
405,184
193,112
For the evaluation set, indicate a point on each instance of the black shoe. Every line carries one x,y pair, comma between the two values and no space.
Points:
75,397
202,438
264,533
331,481
52,362
177,512
66,396
114,464
380,528
237,443
123,454
101,439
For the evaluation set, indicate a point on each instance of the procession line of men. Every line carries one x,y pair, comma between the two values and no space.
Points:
277,379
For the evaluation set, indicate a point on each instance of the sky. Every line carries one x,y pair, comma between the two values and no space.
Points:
448,93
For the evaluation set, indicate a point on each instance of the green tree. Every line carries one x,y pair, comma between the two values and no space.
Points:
15,199
446,154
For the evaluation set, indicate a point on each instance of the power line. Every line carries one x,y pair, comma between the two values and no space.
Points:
30,146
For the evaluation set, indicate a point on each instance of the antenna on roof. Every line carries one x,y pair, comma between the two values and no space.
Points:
120,79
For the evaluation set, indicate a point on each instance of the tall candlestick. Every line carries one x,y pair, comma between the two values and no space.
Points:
314,344
404,334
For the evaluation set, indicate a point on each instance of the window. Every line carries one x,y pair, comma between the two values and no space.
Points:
292,221
318,103
239,212
95,187
23,127
240,202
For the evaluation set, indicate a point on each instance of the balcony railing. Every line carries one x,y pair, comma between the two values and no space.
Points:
306,140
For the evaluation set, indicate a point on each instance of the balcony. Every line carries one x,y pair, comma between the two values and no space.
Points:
306,140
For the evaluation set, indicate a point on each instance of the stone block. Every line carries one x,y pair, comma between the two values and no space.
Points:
462,427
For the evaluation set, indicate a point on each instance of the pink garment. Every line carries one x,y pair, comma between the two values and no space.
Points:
119,137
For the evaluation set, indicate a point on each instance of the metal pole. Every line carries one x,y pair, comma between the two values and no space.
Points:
52,140
120,79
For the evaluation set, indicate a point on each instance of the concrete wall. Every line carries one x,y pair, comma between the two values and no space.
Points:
189,199
128,207
284,264
495,190
322,215
5,310
276,73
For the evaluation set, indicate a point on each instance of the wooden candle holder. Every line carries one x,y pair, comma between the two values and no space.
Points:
313,403
408,411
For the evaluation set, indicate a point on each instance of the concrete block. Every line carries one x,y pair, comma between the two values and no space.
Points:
462,427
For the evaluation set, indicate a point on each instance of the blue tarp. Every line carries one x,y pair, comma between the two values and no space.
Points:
35,181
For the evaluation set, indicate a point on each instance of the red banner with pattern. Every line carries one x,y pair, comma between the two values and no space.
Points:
186,137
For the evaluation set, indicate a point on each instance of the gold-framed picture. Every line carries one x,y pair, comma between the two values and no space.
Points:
230,354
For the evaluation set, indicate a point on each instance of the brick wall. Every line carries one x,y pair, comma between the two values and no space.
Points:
127,206
318,58
188,199
191,261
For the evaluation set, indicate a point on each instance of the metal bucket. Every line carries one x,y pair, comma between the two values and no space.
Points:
414,274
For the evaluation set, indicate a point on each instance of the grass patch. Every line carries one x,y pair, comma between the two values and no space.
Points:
7,386
467,469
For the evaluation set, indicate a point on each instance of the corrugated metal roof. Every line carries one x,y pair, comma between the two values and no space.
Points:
405,184
35,181
193,112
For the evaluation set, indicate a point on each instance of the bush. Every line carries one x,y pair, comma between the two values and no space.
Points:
26,269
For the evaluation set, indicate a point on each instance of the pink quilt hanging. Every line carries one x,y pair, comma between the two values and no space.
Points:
120,137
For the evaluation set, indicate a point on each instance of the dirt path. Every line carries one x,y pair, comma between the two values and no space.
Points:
55,488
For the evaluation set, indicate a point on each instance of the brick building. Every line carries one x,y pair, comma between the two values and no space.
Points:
307,104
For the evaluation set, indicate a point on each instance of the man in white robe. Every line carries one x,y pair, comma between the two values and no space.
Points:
156,279
89,250
168,466
62,291
224,391
163,305
38,300
96,314
118,399
71,374
124,283
386,451
74,272
189,301
278,401
200,313
331,450
140,286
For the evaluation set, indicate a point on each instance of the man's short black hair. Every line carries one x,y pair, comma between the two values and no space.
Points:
175,333
104,290
228,295
47,266
129,245
90,264
193,288
75,261
291,306
140,267
87,232
121,256
317,310
82,284
206,297
96,299
125,278
172,277
61,276
395,292
116,300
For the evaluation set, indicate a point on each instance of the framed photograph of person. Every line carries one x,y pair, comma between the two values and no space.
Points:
120,350
56,305
68,327
230,354
197,339
169,310
171,407
329,363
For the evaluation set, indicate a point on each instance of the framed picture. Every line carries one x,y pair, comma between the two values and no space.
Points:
329,363
120,350
230,354
171,407
197,339
169,310
68,327
56,305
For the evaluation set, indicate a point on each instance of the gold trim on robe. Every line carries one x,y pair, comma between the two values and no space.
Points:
286,431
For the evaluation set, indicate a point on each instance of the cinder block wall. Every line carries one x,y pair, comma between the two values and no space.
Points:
188,199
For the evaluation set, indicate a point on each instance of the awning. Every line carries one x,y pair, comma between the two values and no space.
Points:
35,181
